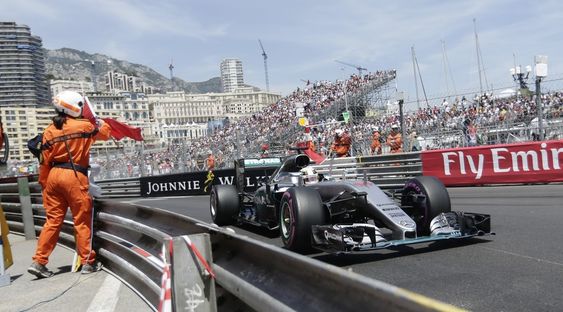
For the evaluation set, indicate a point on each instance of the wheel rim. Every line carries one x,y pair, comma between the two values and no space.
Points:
285,220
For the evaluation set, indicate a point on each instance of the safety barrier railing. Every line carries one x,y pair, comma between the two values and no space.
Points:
128,187
258,276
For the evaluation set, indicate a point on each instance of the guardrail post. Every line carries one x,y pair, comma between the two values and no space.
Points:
194,287
27,212
6,259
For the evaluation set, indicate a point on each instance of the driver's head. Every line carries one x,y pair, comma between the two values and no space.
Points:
310,175
338,132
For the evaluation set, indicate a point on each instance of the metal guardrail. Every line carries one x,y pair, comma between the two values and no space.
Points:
122,188
261,276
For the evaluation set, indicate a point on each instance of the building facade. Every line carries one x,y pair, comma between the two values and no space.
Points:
231,74
119,82
21,123
22,67
179,116
243,102
57,86
128,107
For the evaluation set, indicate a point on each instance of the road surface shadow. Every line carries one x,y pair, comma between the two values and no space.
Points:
259,230
349,259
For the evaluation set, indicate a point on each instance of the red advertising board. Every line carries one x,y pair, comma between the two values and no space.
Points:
529,162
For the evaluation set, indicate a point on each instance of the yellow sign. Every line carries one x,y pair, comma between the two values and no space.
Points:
4,242
303,121
209,180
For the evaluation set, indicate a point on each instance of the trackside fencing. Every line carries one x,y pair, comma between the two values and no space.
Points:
252,274
526,162
389,171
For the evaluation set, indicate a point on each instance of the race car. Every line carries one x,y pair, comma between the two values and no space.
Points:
315,211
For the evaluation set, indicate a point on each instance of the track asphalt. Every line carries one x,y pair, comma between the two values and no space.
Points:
64,291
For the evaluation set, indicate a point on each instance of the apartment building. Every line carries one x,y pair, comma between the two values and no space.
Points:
178,116
21,124
231,74
22,67
119,82
243,102
83,87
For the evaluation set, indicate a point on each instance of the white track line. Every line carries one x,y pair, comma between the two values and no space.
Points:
107,296
523,256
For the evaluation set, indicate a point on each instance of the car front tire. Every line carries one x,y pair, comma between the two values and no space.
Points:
437,201
300,209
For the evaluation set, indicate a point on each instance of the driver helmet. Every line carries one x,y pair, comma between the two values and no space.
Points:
338,132
69,102
310,175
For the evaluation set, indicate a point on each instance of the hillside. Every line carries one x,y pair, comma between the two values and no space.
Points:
73,64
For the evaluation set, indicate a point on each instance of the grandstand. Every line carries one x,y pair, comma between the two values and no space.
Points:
441,124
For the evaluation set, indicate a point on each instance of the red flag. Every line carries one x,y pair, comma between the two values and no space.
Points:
120,130
88,111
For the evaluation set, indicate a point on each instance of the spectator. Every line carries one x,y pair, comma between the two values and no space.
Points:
210,161
413,142
394,140
443,121
376,142
341,144
471,134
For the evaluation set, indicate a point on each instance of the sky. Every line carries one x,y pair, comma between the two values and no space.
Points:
303,39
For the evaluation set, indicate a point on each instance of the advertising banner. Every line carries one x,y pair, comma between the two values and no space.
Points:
199,183
529,162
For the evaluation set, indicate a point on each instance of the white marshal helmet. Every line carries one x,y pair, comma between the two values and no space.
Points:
69,102
310,175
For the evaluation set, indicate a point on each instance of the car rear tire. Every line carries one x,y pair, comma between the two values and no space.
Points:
437,201
224,204
300,208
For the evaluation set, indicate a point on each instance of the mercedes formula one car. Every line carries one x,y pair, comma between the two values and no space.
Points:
313,211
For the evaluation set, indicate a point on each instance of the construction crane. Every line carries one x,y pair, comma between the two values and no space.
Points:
359,68
265,56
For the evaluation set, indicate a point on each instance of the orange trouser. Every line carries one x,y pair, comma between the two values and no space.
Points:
62,190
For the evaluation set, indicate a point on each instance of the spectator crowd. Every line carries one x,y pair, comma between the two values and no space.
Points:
277,126
275,129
